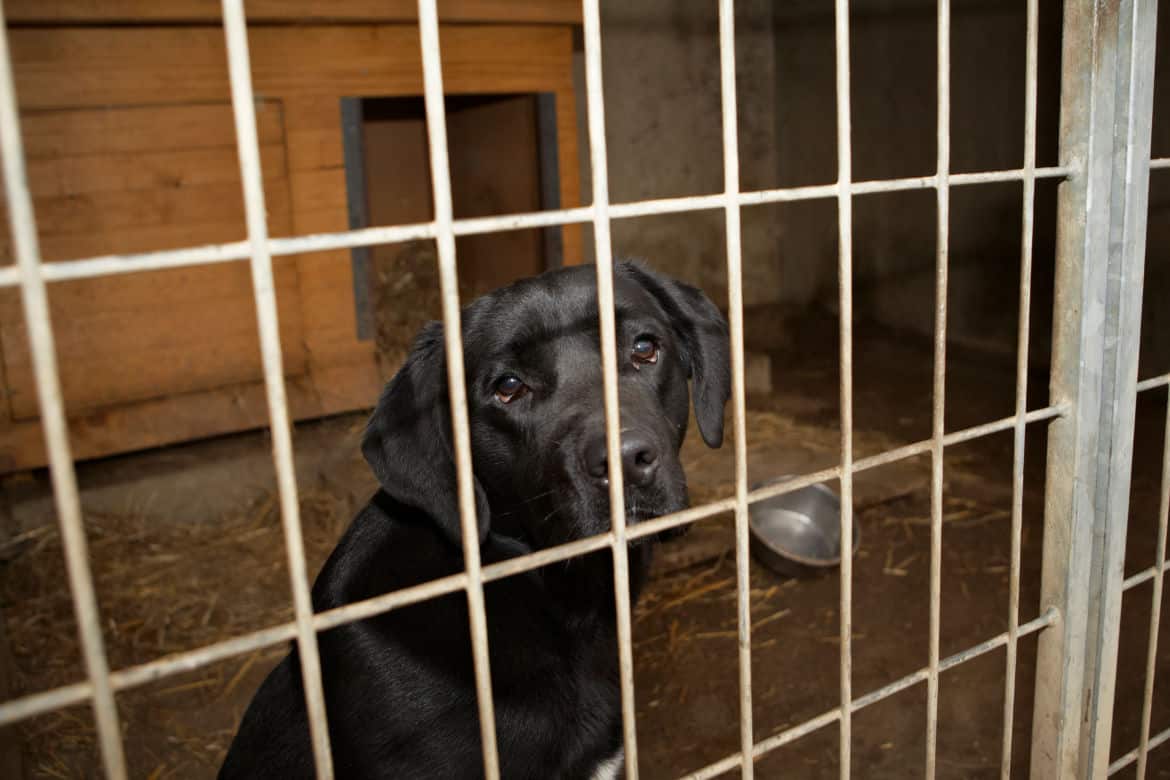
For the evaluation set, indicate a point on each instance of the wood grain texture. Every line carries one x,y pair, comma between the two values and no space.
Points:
65,11
161,421
320,206
71,67
130,337
139,336
140,129
132,148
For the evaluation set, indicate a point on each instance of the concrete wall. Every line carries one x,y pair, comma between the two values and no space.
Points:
664,139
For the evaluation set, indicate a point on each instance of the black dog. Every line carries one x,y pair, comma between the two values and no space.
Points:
399,688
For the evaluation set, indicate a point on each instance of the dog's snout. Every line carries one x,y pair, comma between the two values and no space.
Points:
639,458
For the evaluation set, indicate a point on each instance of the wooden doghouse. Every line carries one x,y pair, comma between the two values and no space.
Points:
127,122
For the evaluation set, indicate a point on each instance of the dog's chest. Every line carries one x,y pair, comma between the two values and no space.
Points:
610,768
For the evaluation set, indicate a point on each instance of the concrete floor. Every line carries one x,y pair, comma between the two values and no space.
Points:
186,548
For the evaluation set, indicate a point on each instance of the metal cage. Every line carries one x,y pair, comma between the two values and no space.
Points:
1105,130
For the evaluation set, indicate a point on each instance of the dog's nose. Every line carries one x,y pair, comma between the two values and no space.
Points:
639,459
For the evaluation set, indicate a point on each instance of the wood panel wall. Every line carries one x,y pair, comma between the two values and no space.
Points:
132,148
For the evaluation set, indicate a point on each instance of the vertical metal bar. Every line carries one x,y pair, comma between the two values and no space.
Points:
845,291
603,252
938,426
1156,603
244,110
26,247
1133,112
1074,527
1022,346
452,330
738,394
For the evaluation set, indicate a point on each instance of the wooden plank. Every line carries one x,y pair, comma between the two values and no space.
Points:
178,418
320,190
145,335
119,234
113,130
495,169
77,67
90,11
140,170
319,205
328,315
398,172
316,148
129,337
147,238
568,168
101,214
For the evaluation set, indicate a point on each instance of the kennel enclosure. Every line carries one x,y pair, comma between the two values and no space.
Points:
1104,169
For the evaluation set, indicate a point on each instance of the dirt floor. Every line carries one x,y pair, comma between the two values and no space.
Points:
187,549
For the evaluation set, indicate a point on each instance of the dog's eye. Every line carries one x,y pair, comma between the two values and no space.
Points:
645,350
509,388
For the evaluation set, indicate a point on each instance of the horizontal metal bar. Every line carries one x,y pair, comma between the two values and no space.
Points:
794,733
958,437
35,704
103,265
1160,162
1132,755
1145,575
1153,382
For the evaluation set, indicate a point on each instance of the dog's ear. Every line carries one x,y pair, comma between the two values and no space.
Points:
408,440
703,331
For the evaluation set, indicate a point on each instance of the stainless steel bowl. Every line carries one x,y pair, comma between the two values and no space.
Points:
798,534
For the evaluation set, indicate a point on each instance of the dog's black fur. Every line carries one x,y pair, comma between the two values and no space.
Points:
399,688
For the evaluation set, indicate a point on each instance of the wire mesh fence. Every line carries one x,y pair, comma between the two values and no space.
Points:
1078,607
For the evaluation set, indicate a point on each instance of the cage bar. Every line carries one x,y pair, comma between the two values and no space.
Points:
1155,603
34,298
31,705
845,303
436,119
1098,299
738,388
603,253
1022,345
264,289
103,265
787,736
1132,755
1093,389
938,396
1132,110
1153,383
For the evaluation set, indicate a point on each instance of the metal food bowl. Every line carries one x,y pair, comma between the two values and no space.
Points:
798,534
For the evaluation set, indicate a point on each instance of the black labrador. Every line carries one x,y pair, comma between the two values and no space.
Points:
399,688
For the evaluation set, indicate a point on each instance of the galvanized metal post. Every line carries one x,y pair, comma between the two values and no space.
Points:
1106,106
1133,119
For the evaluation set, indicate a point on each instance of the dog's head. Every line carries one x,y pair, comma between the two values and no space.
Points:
534,393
